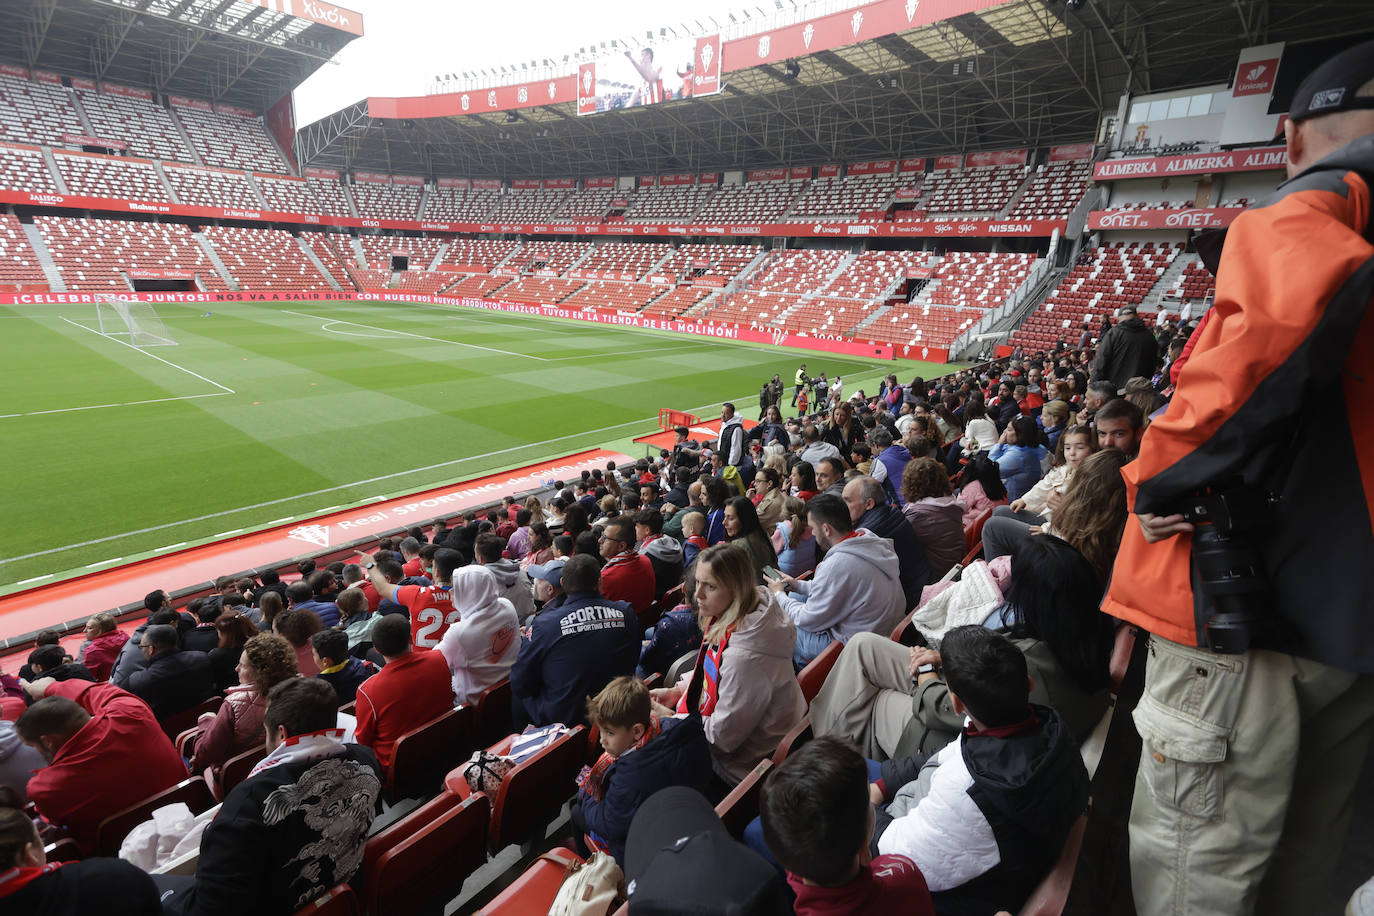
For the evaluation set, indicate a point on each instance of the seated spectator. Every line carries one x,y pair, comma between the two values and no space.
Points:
518,546
892,701
803,480
234,630
203,637
749,698
18,762
54,662
236,726
768,495
1019,456
356,621
793,539
481,647
666,752
694,536
511,582
1053,419
414,687
830,476
675,634
935,515
294,828
1120,424
269,605
577,644
541,546
628,575
716,494
305,596
980,433
428,607
411,564
857,587
105,751
1010,525
29,883
1092,515
49,637
131,656
104,642
871,510
980,487
816,447
816,819
296,627
990,822
743,529
337,667
175,680
664,552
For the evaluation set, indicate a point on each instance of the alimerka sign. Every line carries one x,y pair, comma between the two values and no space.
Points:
1240,160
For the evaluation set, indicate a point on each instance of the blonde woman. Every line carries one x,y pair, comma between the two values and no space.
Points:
536,510
749,698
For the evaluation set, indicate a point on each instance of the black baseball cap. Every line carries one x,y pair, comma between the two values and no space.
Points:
681,861
1332,86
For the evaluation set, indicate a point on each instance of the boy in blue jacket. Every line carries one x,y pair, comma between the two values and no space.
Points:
641,754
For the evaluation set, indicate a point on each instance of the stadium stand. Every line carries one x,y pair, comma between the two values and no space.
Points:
380,248
145,126
110,176
757,201
1055,190
780,285
36,112
22,169
850,195
541,290
483,253
1196,283
614,296
480,285
201,187
548,256
231,141
378,200
963,286
331,196
702,259
677,302
532,205
264,258
632,260
284,194
329,248
461,204
661,203
981,189
19,267
588,204
95,254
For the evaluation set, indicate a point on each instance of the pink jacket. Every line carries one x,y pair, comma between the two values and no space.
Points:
234,729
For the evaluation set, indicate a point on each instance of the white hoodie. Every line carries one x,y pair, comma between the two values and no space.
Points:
481,647
857,589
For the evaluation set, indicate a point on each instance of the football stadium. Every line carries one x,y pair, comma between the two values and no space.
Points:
410,405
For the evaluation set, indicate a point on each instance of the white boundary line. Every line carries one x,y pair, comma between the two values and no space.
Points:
189,397
225,388
456,343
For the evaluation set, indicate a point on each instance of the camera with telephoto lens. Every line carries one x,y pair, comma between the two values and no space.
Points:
1230,569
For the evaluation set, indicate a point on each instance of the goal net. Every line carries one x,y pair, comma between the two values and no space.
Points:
132,321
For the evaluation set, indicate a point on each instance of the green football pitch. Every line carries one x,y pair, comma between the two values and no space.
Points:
265,412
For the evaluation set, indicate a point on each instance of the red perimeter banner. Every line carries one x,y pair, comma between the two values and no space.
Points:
706,66
912,165
74,140
1071,151
1245,160
949,162
599,182
828,171
11,70
177,101
1193,218
155,274
882,167
768,174
1001,157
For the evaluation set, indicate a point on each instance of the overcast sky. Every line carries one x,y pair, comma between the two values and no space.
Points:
407,42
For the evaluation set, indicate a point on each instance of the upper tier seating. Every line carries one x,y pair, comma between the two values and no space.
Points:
755,202
387,201
92,253
852,194
199,187
614,296
264,258
1110,277
332,197
626,257
667,203
587,204
379,249
708,260
232,142
145,126
484,253
1055,190
461,205
541,290
529,205
553,256
36,112
330,248
110,176
25,170
19,266
984,189
288,195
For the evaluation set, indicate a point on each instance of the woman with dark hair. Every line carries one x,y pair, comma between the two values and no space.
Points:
1020,456
768,497
575,520
803,481
934,513
541,546
296,627
980,487
1052,616
771,429
742,528
589,543
980,433
234,630
266,660
270,604
717,494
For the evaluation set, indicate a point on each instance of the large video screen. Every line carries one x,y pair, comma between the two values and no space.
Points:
662,72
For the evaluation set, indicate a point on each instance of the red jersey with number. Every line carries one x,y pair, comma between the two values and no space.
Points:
431,612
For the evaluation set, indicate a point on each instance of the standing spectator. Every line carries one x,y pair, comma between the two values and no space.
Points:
297,825
266,661
1128,349
414,687
575,647
857,587
732,436
174,680
104,645
105,751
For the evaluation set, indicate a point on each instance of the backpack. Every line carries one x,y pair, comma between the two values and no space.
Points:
591,888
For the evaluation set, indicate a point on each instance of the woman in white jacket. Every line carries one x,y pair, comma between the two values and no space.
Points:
749,697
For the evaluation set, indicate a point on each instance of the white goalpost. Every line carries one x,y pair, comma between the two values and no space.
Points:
132,321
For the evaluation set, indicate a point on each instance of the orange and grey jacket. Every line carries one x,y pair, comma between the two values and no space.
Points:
1278,393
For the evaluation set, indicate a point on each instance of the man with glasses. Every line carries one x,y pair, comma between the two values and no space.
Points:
628,575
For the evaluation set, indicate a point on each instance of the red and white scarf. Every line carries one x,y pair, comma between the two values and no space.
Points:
318,745
710,672
592,782
16,879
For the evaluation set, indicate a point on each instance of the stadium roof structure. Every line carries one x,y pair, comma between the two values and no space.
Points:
1023,73
245,53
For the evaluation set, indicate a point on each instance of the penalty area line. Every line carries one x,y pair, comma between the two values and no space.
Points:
456,343
76,324
189,397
